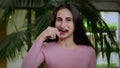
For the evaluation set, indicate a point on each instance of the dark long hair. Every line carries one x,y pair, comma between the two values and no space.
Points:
80,36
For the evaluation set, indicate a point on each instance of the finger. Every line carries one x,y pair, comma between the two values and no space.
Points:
57,32
52,32
47,37
53,35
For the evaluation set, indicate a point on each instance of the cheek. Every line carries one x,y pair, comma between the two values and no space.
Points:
71,26
57,24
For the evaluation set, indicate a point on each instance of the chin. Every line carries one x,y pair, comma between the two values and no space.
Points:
63,37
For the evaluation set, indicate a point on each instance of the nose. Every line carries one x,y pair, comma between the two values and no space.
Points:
62,25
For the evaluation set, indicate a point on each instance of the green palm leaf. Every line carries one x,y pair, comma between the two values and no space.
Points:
11,46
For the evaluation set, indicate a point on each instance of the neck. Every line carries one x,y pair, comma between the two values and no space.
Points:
67,43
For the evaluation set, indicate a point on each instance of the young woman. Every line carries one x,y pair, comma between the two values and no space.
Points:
68,45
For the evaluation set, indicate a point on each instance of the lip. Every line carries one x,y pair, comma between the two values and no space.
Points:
62,32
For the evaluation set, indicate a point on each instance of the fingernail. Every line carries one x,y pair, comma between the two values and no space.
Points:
47,37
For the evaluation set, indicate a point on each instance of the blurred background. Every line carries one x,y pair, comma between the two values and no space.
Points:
21,21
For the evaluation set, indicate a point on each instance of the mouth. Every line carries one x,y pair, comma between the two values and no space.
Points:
63,31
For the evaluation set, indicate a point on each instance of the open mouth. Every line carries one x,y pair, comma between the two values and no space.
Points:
63,31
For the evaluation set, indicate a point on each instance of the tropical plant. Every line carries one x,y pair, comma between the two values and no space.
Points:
12,44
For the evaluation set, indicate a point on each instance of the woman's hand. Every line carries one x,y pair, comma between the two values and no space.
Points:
50,33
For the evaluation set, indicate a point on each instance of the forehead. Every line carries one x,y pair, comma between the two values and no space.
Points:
64,13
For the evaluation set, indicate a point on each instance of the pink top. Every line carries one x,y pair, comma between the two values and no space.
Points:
55,56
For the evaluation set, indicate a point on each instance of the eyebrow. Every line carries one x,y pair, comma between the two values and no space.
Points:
65,17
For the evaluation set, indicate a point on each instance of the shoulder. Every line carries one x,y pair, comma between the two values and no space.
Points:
89,49
46,44
49,45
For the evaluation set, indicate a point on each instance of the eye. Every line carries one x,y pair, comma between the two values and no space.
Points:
69,19
58,19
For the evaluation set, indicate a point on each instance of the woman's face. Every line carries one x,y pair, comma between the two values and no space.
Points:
64,23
